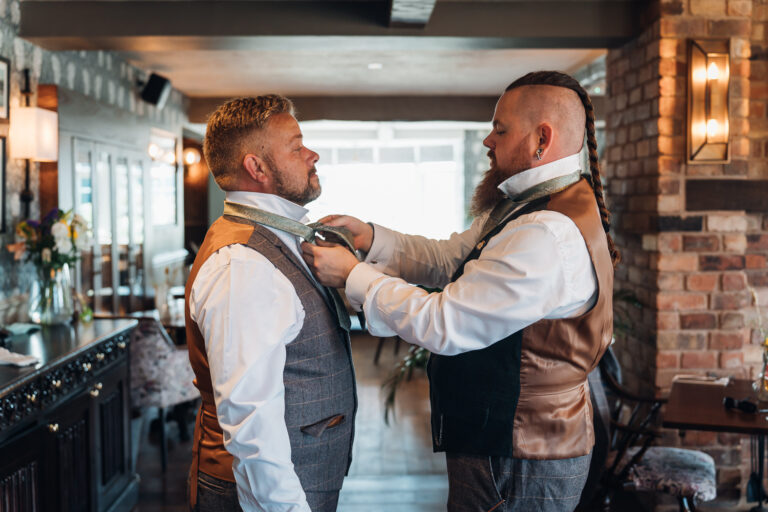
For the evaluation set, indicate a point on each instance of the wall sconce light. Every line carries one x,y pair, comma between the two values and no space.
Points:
191,156
161,154
34,135
708,84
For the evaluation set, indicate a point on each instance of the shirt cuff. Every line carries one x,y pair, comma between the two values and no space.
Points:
383,246
358,282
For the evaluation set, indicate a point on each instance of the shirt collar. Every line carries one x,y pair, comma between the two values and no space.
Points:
270,203
524,180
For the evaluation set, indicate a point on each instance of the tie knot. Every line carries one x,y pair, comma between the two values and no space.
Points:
335,234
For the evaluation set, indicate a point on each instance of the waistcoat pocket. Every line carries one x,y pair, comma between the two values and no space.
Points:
317,429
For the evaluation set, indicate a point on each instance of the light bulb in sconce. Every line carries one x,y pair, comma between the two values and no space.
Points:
170,157
713,72
191,156
713,128
700,75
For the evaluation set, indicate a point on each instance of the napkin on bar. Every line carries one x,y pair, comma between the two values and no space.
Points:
21,328
13,359
702,379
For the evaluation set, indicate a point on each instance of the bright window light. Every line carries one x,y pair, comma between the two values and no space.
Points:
406,176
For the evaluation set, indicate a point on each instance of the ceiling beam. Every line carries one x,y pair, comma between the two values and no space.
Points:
410,13
279,24
372,108
380,108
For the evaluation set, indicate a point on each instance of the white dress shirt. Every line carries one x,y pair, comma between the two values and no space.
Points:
247,312
537,267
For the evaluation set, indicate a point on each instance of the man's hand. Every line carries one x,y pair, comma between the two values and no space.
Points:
330,263
362,232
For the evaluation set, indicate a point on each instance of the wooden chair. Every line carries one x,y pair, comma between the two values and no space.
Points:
625,460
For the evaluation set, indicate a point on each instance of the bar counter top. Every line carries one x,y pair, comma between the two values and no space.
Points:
56,346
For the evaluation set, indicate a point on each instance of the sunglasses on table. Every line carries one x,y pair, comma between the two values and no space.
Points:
742,405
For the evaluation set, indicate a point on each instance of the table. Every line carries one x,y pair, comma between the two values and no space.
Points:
699,406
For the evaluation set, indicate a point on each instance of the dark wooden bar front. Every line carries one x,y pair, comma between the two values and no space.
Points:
64,423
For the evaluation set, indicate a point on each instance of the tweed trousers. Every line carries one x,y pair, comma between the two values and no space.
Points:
215,495
506,484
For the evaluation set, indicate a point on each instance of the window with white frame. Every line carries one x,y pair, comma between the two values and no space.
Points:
406,176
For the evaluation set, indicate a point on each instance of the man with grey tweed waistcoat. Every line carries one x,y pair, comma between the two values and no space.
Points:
271,360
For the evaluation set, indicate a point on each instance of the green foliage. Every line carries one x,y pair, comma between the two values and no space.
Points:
621,322
416,357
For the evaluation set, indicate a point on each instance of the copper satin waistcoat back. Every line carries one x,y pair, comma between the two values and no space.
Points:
527,396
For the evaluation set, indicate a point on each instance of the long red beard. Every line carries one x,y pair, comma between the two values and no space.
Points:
487,193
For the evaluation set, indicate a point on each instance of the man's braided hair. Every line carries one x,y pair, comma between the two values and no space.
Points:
557,79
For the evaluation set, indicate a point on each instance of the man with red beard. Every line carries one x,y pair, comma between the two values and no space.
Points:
525,309
269,347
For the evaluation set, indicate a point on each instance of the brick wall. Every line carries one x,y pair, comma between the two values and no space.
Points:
631,168
690,269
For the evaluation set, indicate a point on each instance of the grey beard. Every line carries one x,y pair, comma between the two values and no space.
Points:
307,195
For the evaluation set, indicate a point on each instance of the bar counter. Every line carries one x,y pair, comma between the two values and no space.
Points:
64,422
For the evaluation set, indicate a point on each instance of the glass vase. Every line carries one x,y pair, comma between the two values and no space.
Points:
761,384
50,299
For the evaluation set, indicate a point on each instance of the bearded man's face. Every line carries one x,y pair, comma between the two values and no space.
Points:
509,150
290,163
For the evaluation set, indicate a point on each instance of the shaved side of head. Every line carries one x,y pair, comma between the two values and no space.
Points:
557,80
561,108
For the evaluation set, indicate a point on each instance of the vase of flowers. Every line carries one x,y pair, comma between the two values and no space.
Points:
760,385
52,245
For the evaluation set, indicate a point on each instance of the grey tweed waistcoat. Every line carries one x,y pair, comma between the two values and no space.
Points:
320,396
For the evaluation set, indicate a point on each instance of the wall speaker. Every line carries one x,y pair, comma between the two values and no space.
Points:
156,90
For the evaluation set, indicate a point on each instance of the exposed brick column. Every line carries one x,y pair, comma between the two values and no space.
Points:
631,168
689,268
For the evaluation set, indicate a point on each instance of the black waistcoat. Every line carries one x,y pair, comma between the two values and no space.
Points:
474,395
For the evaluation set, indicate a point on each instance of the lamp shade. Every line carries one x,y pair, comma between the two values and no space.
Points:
34,134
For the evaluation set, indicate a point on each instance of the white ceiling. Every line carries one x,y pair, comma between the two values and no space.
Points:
199,73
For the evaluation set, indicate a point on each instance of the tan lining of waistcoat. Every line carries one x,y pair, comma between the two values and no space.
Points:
553,419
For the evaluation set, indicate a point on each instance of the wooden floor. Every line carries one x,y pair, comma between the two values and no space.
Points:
393,466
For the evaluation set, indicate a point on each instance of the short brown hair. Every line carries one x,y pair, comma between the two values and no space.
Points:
230,125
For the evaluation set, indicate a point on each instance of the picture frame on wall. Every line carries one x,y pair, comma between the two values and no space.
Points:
2,185
5,76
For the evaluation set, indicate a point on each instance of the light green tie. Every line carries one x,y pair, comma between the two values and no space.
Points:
308,233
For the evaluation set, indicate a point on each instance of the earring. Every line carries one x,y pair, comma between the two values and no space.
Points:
538,154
